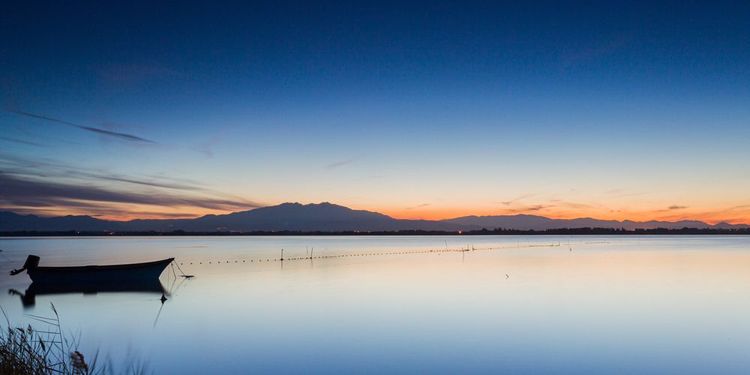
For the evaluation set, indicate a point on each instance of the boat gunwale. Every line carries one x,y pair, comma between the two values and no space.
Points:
101,267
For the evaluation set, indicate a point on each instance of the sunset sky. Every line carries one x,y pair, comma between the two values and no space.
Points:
614,110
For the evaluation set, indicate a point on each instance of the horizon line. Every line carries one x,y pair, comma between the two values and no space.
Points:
192,217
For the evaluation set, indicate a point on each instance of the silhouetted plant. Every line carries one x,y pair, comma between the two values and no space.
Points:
28,351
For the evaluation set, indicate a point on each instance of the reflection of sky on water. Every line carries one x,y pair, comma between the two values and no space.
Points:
612,305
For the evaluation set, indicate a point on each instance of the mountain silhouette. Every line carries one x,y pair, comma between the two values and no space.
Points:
10,221
323,217
533,222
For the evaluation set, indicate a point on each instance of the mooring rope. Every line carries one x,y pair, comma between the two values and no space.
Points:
182,273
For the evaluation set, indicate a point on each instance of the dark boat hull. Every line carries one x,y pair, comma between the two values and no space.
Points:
120,273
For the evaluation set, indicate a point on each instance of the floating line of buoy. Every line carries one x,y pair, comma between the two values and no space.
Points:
311,256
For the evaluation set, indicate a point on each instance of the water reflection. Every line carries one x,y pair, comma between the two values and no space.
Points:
28,298
614,305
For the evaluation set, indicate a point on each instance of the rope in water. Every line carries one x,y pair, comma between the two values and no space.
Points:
182,273
375,253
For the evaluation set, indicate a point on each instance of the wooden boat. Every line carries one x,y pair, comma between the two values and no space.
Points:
117,273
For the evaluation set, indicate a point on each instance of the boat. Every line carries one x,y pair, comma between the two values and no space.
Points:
116,273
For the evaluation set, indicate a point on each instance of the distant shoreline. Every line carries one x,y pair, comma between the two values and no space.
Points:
483,232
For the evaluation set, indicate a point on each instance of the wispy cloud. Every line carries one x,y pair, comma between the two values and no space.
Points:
15,190
622,193
516,199
207,147
340,163
49,169
204,148
527,209
737,214
671,210
49,187
418,206
576,205
143,182
21,141
537,207
127,137
104,132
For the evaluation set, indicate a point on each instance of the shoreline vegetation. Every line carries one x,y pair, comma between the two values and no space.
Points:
31,351
482,232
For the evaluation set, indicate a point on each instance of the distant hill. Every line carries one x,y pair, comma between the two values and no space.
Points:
324,217
10,221
533,222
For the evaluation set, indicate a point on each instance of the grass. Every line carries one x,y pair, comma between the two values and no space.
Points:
28,351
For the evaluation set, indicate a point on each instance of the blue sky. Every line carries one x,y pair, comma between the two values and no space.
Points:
435,109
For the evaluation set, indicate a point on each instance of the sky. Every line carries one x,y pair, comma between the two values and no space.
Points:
613,110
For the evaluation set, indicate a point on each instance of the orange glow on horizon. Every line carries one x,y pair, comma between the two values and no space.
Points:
127,212
710,217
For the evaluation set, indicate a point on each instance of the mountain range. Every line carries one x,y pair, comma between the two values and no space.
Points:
324,217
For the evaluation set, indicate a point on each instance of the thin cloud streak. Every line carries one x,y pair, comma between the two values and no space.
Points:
130,180
518,198
127,137
21,141
525,209
340,163
15,191
43,169
123,136
418,206
62,173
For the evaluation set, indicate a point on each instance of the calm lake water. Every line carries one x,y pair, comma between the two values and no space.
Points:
531,304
